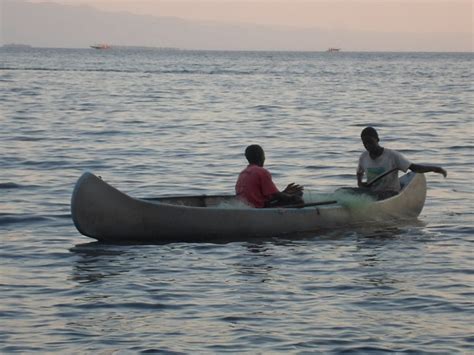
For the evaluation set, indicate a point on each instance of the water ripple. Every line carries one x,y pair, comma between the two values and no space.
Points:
19,218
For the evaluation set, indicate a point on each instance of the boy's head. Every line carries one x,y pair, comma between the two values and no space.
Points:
255,154
369,132
370,139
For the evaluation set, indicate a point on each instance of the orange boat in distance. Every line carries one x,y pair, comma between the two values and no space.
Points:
101,46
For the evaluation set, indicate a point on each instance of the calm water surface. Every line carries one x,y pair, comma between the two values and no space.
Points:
176,122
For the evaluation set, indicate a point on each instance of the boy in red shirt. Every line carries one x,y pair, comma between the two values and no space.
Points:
256,188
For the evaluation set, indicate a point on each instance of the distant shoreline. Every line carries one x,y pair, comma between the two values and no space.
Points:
16,45
112,46
125,47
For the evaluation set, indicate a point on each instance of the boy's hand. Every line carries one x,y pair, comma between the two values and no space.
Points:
441,171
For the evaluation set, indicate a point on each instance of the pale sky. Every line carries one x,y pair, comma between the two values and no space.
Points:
417,16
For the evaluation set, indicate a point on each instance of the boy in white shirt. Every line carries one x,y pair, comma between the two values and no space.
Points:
378,160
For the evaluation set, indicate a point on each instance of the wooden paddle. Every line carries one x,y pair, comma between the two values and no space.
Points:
301,205
377,178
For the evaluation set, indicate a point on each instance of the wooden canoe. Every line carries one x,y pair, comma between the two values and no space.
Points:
104,213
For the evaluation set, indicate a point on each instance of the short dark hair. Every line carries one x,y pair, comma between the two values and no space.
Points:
369,132
254,153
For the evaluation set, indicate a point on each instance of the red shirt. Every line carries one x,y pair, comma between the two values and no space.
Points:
255,185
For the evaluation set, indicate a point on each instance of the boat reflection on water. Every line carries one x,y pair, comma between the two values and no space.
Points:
99,260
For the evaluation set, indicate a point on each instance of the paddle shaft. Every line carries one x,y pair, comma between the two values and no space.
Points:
374,180
301,205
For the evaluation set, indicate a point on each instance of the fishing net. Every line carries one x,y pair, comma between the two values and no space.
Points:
345,198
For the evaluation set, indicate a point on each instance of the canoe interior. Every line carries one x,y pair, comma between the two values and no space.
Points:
195,201
405,179
219,200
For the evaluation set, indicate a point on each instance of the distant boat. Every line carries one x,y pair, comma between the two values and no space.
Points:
101,46
331,50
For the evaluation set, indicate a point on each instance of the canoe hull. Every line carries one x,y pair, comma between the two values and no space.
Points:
104,213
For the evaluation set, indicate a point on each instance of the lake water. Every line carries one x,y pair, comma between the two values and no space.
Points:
154,123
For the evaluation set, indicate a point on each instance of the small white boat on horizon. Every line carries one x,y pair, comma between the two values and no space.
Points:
101,46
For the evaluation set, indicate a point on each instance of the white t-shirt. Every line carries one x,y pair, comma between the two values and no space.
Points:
389,160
